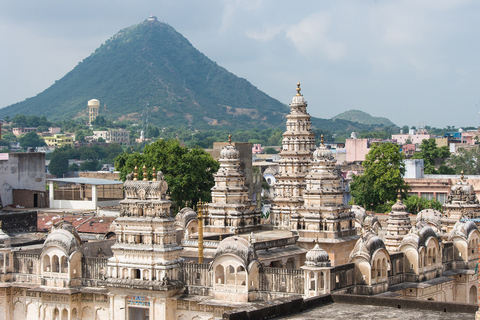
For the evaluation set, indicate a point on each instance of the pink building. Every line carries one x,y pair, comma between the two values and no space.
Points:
415,138
257,148
356,149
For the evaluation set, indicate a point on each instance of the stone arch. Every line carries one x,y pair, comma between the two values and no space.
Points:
229,275
87,313
63,264
18,310
55,263
74,314
64,314
182,317
55,314
219,275
101,313
472,295
46,263
32,312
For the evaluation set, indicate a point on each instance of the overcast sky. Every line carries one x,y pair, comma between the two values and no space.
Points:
413,61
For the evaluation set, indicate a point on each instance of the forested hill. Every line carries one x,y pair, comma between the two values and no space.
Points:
150,63
363,118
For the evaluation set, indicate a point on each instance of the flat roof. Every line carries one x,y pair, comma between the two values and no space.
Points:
343,311
81,180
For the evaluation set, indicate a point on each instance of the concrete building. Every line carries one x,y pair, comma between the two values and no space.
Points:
120,136
416,137
23,130
58,141
23,174
356,150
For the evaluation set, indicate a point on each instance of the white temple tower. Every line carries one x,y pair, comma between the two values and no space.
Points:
398,226
298,144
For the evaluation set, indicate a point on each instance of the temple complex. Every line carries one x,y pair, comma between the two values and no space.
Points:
222,260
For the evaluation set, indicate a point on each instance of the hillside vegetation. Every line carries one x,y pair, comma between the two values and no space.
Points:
152,63
363,118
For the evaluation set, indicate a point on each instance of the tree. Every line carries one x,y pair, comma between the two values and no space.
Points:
73,167
31,139
99,121
416,204
430,153
100,139
188,172
466,160
59,164
112,151
382,178
270,150
90,165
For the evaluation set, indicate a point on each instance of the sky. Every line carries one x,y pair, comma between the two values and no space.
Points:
416,62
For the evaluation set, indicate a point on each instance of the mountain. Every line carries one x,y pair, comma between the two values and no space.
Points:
151,63
363,118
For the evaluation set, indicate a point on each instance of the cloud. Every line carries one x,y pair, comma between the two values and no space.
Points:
311,37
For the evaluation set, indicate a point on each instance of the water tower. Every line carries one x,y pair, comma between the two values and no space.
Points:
93,108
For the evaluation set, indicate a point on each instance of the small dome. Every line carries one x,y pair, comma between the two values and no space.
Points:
367,245
237,246
229,152
317,257
419,235
359,212
4,240
322,153
399,206
65,236
463,229
298,98
185,215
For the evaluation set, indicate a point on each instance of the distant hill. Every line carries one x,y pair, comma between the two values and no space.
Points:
363,118
152,63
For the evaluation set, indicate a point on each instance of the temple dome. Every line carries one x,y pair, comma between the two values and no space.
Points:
185,215
317,257
229,152
65,236
237,246
359,212
366,246
399,206
322,153
463,229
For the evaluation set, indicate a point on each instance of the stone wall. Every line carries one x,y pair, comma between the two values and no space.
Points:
24,221
282,280
196,277
100,175
94,270
342,276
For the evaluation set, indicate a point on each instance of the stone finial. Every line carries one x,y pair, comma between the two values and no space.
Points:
298,89
230,139
321,140
462,178
135,175
144,173
154,174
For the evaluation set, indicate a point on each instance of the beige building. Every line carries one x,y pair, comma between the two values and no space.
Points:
120,136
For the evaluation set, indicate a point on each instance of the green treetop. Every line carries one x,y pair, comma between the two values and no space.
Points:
382,178
430,153
188,172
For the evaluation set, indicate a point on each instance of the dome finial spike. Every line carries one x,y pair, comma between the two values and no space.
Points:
230,139
135,175
321,140
462,178
298,89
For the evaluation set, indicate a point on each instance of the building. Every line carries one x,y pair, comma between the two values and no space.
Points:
225,260
415,137
120,136
356,150
23,180
23,130
93,109
59,140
